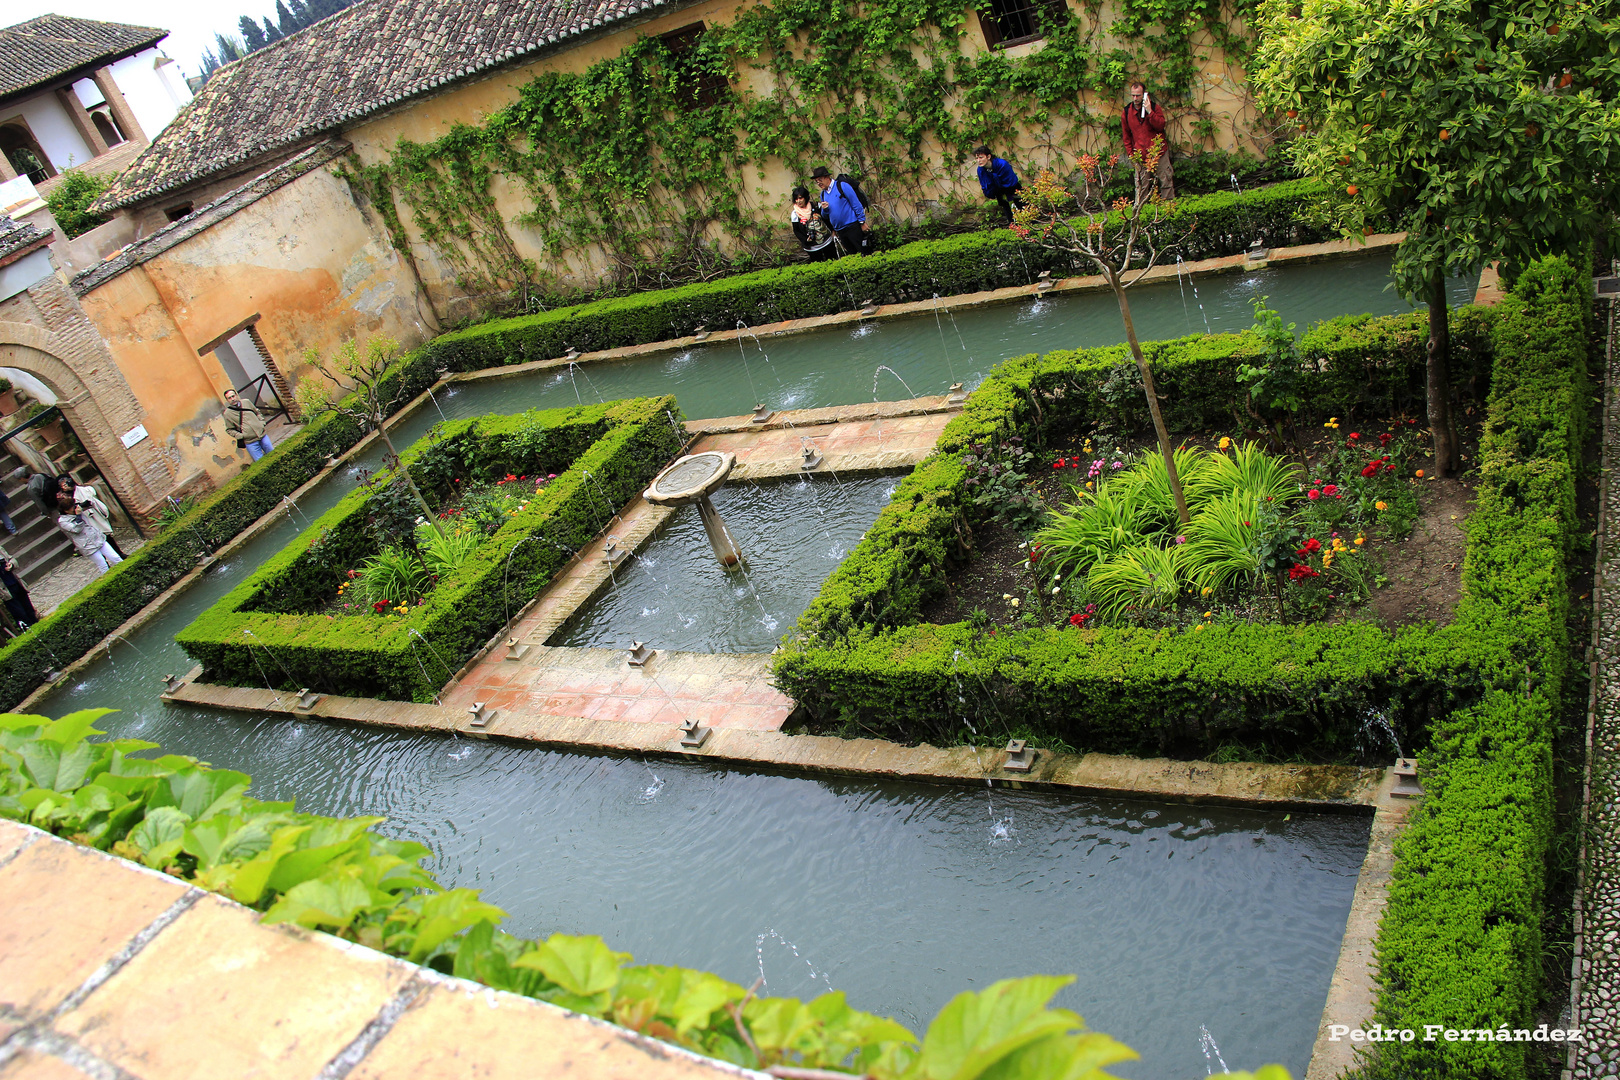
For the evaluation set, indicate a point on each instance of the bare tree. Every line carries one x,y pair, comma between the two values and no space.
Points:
1122,241
361,376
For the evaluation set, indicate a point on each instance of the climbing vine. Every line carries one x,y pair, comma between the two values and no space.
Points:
644,168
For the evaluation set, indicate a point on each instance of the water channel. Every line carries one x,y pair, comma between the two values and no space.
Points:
900,894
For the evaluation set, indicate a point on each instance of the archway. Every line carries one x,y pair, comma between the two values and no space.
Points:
25,155
98,415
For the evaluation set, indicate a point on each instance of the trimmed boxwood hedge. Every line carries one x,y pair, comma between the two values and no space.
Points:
859,655
1223,224
1226,223
1460,943
621,445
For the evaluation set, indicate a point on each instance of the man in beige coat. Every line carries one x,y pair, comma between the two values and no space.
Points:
244,424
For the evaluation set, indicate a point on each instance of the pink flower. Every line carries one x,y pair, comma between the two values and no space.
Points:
1313,494
1332,490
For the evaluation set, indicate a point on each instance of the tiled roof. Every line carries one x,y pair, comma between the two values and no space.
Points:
362,60
43,49
16,236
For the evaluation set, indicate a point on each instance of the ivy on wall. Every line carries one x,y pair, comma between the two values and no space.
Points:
628,160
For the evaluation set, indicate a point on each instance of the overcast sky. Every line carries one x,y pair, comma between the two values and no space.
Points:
191,23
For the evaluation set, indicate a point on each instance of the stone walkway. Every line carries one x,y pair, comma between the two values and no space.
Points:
54,589
1595,986
113,971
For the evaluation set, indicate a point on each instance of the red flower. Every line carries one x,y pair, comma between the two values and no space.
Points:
1383,440
380,606
1390,467
1355,435
1310,547
1058,464
1332,490
1313,494
1299,572
1371,467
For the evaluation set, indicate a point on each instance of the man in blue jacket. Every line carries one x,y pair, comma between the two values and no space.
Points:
999,181
841,208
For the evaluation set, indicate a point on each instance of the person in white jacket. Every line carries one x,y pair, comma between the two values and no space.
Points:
95,511
88,540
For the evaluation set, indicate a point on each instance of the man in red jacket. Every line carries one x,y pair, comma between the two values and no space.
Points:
1143,128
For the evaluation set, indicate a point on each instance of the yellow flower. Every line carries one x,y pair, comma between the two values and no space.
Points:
1200,626
1381,505
1226,443
1327,558
1360,540
1206,592
1089,485
1209,614
1332,422
1338,545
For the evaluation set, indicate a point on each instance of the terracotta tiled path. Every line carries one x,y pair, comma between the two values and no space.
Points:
729,691
109,970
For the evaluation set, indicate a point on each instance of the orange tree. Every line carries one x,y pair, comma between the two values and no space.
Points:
1485,131
1122,242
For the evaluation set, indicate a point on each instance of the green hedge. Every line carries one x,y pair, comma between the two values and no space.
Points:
1460,943
860,657
960,264
409,657
1223,224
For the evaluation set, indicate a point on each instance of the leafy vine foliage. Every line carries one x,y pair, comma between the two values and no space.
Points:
646,165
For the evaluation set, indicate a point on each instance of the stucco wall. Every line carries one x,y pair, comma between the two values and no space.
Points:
153,87
52,129
1221,90
303,258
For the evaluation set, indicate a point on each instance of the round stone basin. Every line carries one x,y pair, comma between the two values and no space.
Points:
690,478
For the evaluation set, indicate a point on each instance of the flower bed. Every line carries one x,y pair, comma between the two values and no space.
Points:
861,657
275,625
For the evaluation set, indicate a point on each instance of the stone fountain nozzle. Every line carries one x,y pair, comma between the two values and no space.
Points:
956,395
700,334
869,308
1406,779
172,683
1020,756
307,700
762,414
812,457
693,734
571,355
612,553
639,654
1045,282
481,715
516,650
1257,251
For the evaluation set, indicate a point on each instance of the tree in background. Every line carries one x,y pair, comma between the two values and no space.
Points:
252,34
1485,131
1121,242
291,17
70,201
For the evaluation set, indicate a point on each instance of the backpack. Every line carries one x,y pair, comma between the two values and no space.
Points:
854,185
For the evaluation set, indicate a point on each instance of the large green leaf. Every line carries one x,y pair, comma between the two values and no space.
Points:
202,793
332,901
583,965
976,1030
249,882
225,839
160,835
1079,1056
447,914
73,727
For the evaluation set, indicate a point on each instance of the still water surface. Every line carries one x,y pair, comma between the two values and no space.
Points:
899,894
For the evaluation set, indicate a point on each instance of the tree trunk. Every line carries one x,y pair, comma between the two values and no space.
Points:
1153,402
1441,425
405,474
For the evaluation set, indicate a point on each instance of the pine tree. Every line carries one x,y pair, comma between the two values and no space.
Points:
303,13
229,49
251,34
270,31
285,18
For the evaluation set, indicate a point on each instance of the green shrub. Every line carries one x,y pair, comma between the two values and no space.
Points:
1460,943
393,576
621,445
70,201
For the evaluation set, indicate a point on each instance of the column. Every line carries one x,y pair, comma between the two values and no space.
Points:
81,120
120,108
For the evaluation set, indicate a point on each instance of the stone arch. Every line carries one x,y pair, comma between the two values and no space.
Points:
98,404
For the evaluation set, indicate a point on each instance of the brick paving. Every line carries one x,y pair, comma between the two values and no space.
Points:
108,969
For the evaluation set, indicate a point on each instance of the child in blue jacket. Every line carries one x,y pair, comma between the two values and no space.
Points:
999,181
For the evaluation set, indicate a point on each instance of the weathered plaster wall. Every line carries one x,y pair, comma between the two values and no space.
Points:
45,332
302,258
1222,91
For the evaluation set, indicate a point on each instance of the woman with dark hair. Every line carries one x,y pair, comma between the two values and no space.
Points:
17,602
95,511
814,235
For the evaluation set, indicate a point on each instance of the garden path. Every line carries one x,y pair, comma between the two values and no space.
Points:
1595,982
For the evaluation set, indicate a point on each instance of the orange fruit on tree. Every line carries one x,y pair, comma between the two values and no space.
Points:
1565,79
1292,113
1352,190
1444,135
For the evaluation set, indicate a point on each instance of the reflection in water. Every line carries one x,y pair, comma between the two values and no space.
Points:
1172,916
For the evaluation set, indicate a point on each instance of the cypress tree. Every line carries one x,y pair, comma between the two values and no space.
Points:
251,33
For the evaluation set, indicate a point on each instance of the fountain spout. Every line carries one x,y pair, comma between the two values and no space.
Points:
692,479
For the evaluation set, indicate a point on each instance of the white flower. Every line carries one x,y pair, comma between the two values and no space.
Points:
1014,601
1056,590
1006,596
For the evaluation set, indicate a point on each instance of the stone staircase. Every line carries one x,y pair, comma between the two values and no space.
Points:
38,545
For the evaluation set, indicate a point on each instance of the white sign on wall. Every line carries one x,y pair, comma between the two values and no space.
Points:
134,435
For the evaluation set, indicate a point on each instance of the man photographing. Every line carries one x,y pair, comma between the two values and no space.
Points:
1143,129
